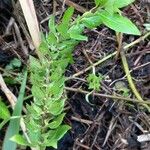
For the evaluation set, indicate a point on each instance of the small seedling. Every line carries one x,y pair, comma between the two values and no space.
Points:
94,81
121,87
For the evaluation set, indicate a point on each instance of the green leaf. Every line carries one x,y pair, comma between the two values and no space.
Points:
44,47
61,130
64,25
37,92
51,25
119,23
109,6
122,3
33,130
100,2
121,87
34,64
57,135
57,106
51,38
19,140
15,63
36,78
91,21
97,2
56,87
32,112
14,124
94,81
4,112
67,15
56,122
63,63
56,74
75,32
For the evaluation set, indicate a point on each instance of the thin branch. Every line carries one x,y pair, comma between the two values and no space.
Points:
108,96
76,6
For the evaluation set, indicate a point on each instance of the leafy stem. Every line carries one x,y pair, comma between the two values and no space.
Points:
45,114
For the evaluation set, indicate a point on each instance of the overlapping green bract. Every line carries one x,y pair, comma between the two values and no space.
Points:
45,114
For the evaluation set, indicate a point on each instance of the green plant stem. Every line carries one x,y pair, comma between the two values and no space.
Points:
108,96
130,81
110,56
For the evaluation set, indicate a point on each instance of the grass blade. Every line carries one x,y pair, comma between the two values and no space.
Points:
14,124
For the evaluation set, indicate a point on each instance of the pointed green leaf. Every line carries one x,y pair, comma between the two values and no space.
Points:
44,47
37,92
100,2
57,107
4,112
92,21
51,38
57,135
119,23
75,32
19,140
67,15
57,121
64,25
34,64
109,6
51,24
122,3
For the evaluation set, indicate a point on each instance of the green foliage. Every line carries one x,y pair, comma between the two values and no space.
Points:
113,3
121,3
121,87
4,112
100,2
13,127
118,23
64,25
110,17
44,118
15,63
95,81
91,20
75,32
19,140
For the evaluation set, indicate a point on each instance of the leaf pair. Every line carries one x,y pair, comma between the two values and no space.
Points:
116,3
